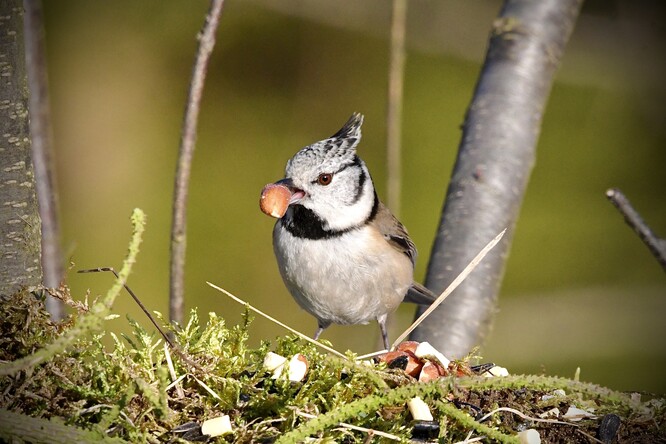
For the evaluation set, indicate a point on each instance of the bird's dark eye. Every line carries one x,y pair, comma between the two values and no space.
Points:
324,179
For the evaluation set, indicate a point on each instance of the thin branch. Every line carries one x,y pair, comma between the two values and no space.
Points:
40,135
134,296
186,152
655,244
174,346
394,105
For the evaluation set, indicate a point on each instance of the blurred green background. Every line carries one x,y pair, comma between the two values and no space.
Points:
580,288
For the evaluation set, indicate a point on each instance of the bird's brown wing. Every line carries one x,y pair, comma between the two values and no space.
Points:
394,232
396,235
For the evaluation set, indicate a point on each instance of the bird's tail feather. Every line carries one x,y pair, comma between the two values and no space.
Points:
418,294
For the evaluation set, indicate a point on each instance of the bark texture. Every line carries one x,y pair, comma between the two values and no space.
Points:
20,225
495,158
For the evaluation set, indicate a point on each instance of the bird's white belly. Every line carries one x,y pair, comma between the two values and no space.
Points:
349,279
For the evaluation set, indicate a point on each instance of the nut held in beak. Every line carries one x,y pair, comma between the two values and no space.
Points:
274,200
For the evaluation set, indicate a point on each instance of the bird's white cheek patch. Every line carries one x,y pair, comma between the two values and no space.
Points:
342,217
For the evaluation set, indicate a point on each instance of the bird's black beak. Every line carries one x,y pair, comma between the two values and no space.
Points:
287,182
296,193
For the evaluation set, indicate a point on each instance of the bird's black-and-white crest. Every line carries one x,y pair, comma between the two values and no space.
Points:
350,129
340,147
346,201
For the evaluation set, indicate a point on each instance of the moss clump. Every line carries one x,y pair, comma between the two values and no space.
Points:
126,393
59,383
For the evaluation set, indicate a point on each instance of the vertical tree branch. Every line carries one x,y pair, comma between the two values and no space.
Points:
186,152
394,106
40,132
495,158
19,217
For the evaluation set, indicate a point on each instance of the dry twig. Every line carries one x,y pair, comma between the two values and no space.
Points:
183,168
655,244
394,105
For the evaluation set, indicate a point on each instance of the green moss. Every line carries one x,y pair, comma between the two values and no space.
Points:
127,390
137,390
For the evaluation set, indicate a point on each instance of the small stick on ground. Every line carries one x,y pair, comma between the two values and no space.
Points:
655,244
134,296
177,350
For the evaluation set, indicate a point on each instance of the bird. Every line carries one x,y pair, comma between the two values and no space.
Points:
343,256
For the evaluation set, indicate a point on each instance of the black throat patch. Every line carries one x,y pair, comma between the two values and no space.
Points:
305,224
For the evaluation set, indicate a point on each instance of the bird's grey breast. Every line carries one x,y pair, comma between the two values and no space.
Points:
344,279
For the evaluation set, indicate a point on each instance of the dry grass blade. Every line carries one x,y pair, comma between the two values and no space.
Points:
172,371
175,382
345,425
371,355
272,319
524,416
469,439
208,389
457,281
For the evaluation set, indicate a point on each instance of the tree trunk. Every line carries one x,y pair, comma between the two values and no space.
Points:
20,226
495,158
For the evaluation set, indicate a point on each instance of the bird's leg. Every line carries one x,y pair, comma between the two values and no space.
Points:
320,329
381,320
